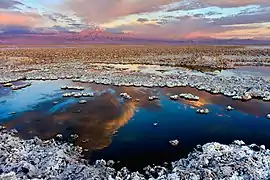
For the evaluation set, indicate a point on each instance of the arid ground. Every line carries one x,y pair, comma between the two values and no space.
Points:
216,57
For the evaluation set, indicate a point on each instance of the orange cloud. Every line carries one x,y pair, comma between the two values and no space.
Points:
19,19
247,33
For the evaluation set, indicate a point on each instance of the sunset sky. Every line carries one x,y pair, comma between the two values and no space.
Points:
153,19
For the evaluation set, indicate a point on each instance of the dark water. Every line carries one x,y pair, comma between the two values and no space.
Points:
123,130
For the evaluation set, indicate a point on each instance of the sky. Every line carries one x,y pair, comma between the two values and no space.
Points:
149,19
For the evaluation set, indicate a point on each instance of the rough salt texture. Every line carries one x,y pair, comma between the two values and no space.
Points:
238,87
37,159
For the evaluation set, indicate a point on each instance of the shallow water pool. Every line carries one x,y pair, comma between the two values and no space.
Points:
123,130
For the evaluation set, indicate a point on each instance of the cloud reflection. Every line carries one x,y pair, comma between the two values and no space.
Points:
95,122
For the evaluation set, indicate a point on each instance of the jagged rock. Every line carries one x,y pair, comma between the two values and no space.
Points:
38,159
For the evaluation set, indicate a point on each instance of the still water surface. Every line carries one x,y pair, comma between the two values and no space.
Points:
122,130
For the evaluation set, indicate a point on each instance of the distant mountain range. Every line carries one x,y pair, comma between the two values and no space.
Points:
97,35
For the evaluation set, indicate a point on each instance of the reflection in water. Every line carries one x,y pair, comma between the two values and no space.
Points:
94,122
136,141
262,108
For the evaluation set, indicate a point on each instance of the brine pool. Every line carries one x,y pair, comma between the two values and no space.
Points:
110,127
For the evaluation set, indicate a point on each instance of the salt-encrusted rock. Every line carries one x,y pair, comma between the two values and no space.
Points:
37,159
152,98
64,87
67,95
110,163
13,87
174,142
237,97
9,176
203,111
82,101
239,142
229,108
72,88
247,97
125,95
174,97
189,96
8,85
239,87
73,137
77,95
2,128
85,94
59,136
262,147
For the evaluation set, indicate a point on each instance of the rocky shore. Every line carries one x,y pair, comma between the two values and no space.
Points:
50,159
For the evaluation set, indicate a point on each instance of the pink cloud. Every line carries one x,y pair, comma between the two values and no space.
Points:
176,29
189,27
19,19
106,10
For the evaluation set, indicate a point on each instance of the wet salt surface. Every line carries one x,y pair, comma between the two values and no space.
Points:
263,71
143,68
123,130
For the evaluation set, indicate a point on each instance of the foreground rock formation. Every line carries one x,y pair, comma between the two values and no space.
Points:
37,159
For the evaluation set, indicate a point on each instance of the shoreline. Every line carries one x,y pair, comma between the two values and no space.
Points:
241,87
51,159
102,65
